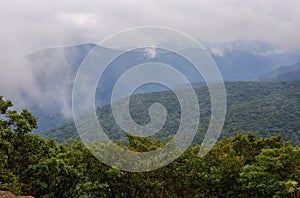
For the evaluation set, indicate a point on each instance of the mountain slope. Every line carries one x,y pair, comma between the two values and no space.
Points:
55,70
285,73
267,109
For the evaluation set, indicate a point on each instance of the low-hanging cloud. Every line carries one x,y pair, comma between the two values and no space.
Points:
29,25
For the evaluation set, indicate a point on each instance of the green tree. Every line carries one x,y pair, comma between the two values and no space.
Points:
276,173
13,128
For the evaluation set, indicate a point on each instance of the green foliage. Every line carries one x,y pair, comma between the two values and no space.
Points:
266,109
237,166
275,172
20,123
142,144
14,129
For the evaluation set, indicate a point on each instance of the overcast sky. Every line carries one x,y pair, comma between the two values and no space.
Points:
42,23
28,25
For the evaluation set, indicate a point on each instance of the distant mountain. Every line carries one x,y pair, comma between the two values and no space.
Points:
285,73
248,59
55,70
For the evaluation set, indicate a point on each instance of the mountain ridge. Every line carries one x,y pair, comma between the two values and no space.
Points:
264,108
285,73
55,70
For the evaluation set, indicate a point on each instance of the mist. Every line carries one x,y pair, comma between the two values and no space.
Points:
28,26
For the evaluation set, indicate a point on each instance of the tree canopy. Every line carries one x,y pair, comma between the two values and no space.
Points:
238,166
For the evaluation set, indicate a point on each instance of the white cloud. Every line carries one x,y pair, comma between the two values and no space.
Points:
54,22
150,52
28,25
78,18
217,51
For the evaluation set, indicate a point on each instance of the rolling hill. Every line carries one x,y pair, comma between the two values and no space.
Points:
285,73
264,108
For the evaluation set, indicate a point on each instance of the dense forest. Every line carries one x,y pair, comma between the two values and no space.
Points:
238,166
264,108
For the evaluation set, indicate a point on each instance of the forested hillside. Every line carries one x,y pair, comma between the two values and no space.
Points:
265,108
285,73
54,70
240,166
